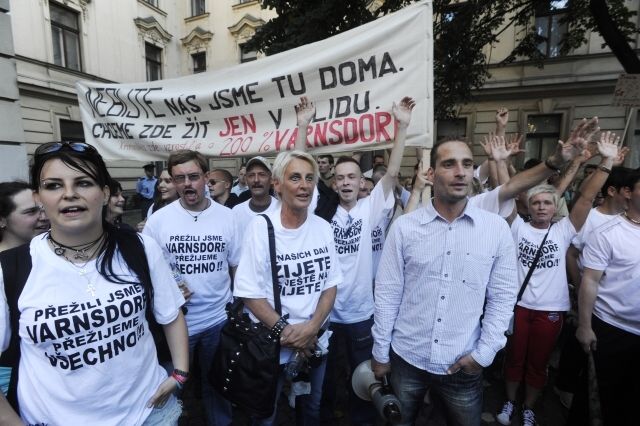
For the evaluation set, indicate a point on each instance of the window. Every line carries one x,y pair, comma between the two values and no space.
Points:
549,14
247,55
153,3
197,7
65,34
153,56
71,131
543,132
452,128
199,62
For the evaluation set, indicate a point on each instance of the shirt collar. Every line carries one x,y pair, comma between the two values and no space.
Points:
429,213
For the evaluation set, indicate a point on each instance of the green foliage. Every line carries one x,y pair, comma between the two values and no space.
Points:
461,32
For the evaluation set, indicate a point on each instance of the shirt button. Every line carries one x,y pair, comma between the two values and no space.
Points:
435,341
450,228
449,252
439,319
464,281
442,297
446,275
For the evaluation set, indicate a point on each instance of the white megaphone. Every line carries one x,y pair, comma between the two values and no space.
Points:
367,387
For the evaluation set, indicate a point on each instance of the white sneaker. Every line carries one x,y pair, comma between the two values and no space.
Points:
506,413
528,417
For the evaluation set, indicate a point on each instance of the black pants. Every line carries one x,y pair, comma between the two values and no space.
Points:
616,361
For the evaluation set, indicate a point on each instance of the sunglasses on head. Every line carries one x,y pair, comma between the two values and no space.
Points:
50,147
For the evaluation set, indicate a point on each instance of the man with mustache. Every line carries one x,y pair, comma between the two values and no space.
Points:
258,178
198,235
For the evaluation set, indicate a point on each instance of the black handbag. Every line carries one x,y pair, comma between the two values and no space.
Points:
246,365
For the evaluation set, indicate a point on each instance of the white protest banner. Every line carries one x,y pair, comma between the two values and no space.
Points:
353,79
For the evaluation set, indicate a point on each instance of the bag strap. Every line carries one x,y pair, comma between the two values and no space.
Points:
533,266
274,271
16,267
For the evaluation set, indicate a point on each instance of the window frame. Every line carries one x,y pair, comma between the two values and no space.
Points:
549,15
64,39
198,4
153,61
243,53
540,136
194,61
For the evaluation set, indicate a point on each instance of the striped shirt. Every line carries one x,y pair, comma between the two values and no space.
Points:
431,286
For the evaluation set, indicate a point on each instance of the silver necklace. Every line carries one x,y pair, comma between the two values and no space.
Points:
195,218
637,222
86,256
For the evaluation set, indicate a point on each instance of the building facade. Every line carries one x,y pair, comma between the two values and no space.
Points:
58,42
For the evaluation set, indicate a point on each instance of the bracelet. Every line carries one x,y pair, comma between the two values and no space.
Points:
180,376
179,385
279,326
551,166
604,169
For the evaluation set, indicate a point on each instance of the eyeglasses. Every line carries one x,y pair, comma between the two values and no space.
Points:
213,181
48,148
193,177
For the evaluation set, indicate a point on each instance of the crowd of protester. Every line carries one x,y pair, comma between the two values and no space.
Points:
428,277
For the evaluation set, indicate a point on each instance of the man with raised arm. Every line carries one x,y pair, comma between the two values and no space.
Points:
352,225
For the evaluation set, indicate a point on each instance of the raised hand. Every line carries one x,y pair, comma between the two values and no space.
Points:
499,148
305,111
502,117
609,145
622,152
402,111
514,143
578,140
486,144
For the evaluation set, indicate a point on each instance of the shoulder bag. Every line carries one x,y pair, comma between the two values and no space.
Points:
246,365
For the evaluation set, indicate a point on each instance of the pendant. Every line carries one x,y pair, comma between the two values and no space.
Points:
91,289
81,255
59,251
195,219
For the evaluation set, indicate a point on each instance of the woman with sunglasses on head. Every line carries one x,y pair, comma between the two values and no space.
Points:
87,352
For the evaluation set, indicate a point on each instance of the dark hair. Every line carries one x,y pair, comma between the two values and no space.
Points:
329,158
436,147
126,241
158,202
633,177
184,156
379,168
346,159
114,188
7,191
617,179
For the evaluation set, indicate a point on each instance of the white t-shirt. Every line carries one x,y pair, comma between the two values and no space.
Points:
4,317
548,289
615,249
490,202
307,265
242,215
87,355
352,237
203,250
378,237
595,219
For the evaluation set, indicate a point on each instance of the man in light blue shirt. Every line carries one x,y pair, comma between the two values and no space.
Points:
145,188
445,291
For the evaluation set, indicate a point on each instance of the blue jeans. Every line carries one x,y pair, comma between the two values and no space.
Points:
217,409
356,340
307,406
167,415
461,392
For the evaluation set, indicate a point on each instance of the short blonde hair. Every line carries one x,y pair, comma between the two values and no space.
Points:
543,189
284,158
